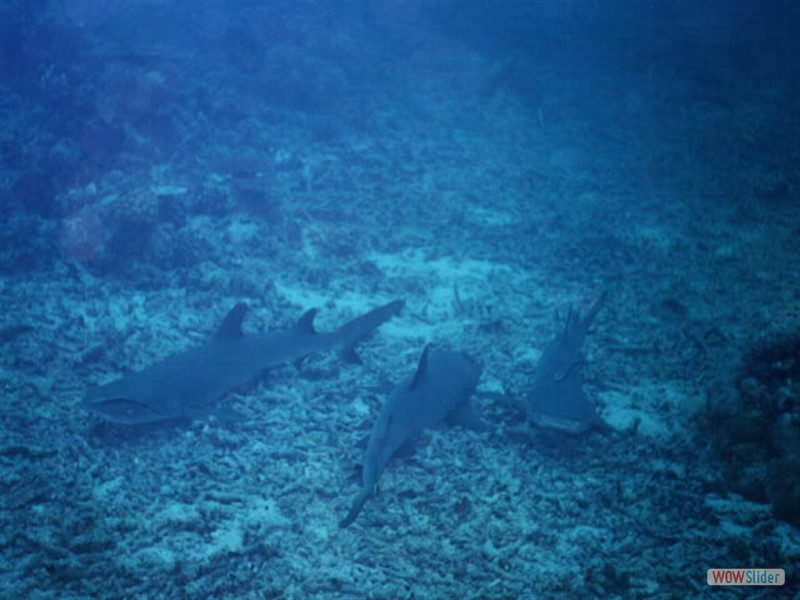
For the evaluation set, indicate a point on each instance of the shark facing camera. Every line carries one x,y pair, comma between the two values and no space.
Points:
438,390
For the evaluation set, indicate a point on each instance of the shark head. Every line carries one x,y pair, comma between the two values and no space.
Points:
126,411
125,401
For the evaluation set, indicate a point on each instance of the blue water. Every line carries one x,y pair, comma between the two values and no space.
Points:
492,164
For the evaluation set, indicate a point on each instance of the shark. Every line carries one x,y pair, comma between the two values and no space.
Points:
439,389
187,384
556,399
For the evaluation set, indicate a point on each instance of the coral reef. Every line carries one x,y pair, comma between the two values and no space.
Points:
761,445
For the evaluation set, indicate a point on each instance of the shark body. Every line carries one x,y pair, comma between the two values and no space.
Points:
188,383
556,399
439,389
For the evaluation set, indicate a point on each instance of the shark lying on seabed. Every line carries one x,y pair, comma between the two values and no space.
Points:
556,400
187,384
439,389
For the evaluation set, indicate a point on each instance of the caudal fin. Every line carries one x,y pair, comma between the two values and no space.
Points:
361,327
355,509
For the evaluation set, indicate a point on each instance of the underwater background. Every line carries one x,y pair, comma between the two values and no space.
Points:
492,164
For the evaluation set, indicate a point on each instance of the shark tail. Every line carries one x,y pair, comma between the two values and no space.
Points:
361,327
355,509
577,325
587,320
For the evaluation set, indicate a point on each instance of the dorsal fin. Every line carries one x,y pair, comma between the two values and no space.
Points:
306,322
422,368
231,326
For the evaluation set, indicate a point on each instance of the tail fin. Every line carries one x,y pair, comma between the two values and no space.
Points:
355,509
587,320
578,325
361,327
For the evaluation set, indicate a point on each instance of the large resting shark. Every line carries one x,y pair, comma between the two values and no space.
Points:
439,389
188,383
556,400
